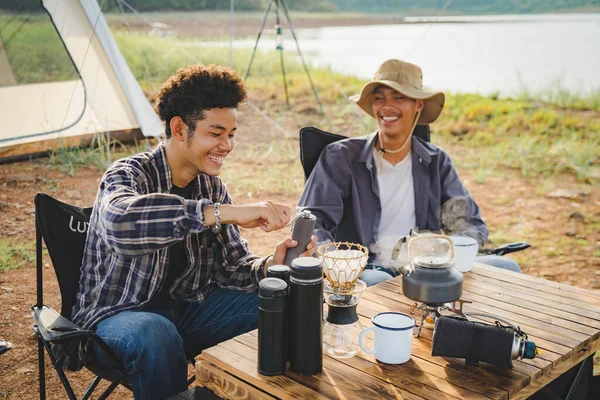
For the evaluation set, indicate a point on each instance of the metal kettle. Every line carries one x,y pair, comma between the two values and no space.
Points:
431,276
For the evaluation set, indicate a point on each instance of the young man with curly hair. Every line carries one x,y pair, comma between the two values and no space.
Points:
165,271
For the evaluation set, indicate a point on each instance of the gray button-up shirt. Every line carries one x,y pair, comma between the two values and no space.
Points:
343,193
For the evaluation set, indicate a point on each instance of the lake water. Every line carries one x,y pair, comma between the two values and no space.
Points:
482,54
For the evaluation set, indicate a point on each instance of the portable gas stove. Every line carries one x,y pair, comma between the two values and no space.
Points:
430,312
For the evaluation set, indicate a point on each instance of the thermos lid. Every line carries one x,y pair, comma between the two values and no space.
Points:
278,271
272,287
307,268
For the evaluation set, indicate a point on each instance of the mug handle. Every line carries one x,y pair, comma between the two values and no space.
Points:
361,340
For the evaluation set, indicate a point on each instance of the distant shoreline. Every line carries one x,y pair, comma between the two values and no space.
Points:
217,25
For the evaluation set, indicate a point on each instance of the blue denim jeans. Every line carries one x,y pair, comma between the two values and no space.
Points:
155,345
374,274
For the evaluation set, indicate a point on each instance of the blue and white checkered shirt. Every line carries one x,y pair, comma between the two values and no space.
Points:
133,223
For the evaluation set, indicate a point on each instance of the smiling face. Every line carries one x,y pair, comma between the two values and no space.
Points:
395,113
212,141
203,150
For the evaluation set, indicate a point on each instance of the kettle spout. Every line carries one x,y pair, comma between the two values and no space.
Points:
398,246
406,270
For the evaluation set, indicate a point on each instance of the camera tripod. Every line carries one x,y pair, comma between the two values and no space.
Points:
279,7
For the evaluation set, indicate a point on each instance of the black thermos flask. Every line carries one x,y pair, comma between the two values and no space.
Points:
272,326
305,316
279,271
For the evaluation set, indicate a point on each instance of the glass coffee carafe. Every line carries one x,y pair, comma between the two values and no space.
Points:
342,265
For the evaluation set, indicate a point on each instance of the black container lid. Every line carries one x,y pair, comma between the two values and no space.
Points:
278,271
272,287
307,268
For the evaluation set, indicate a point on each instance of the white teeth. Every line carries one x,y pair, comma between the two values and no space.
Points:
215,158
389,119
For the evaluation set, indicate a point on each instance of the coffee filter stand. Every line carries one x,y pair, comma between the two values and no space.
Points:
343,262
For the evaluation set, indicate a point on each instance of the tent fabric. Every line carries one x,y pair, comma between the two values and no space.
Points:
7,77
107,98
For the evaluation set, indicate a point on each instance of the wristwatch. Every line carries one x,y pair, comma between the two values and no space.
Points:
216,228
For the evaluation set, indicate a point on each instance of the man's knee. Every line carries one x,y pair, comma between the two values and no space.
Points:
373,277
499,262
136,334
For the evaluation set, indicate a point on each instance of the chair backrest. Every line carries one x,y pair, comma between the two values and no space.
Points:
64,230
314,140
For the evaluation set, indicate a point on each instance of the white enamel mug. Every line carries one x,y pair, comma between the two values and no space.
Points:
465,250
393,337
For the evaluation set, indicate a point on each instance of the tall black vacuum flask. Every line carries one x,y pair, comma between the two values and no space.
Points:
272,326
302,232
305,326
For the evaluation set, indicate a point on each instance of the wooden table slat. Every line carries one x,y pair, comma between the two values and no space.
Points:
574,314
545,313
279,386
530,281
329,381
578,306
414,371
225,385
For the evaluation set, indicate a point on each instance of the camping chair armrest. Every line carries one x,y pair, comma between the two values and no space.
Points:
506,249
54,328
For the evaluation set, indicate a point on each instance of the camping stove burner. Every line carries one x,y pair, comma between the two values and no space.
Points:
433,311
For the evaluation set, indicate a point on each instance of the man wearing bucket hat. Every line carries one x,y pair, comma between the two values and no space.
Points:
375,188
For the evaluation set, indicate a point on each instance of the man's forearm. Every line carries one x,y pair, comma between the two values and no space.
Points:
229,213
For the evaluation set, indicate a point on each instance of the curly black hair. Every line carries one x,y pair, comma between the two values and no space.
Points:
196,88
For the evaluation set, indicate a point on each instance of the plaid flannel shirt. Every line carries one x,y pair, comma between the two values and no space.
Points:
133,223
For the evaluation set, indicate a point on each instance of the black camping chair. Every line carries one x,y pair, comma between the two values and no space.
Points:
314,140
63,228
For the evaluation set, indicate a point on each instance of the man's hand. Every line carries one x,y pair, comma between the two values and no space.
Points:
281,249
267,215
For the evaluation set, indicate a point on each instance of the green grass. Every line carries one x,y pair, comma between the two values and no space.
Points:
102,152
535,139
14,253
34,49
557,94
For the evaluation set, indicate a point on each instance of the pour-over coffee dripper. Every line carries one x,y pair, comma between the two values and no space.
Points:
343,263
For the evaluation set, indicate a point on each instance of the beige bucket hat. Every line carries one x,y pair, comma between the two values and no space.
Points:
407,79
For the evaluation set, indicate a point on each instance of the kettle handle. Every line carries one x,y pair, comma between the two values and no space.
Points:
398,246
422,237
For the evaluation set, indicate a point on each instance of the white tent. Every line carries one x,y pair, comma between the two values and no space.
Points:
36,117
